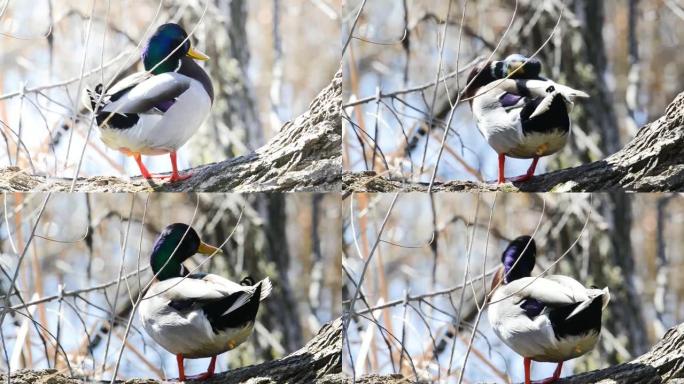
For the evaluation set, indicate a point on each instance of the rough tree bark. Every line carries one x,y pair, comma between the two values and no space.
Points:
664,363
319,361
652,161
234,121
304,156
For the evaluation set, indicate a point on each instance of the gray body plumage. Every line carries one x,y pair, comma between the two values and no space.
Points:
502,126
166,109
535,337
188,331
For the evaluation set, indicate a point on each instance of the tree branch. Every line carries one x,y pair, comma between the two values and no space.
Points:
664,362
319,361
304,156
652,161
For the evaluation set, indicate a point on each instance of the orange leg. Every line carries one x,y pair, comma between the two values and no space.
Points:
181,370
209,373
502,160
556,374
528,363
175,176
530,171
138,159
533,166
212,366
210,370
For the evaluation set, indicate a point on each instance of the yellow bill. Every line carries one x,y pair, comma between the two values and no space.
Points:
207,249
516,67
197,55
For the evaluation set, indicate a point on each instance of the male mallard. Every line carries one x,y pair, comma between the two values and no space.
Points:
550,319
524,116
156,111
196,315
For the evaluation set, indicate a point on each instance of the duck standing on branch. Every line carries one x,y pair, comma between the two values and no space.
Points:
156,111
547,319
520,114
196,315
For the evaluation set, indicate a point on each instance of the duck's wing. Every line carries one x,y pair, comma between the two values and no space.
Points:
224,303
510,101
547,318
524,87
528,297
124,85
567,282
144,95
509,96
561,297
246,283
548,291
576,286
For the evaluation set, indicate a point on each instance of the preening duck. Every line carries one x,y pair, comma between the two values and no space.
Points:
547,319
196,315
156,111
523,116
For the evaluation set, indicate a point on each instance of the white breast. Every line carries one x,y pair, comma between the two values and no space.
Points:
503,129
157,134
500,128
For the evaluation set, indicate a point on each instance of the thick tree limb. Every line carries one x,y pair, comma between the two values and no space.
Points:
319,361
652,161
664,363
304,156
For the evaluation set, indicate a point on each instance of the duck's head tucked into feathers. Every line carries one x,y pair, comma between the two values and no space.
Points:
175,244
519,258
165,49
515,66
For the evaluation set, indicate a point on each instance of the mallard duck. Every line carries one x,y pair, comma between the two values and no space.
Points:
524,116
196,315
156,111
546,319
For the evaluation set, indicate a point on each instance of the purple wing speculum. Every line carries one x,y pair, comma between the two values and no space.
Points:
165,105
509,100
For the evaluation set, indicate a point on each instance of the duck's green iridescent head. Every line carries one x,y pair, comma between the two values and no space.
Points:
163,43
182,239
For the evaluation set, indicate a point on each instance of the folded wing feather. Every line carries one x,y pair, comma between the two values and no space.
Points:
206,289
150,93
